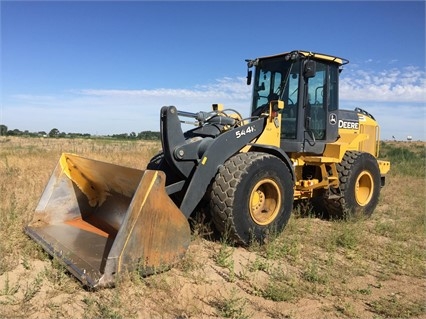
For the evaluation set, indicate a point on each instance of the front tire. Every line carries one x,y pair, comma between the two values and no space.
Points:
359,176
251,195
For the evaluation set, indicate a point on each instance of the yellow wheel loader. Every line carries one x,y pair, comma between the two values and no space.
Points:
101,219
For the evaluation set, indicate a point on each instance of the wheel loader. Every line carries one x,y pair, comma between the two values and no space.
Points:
101,220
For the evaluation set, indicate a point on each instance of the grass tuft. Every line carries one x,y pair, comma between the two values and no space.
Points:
333,268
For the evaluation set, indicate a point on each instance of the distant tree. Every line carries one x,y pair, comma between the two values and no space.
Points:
54,132
149,135
122,136
3,130
14,132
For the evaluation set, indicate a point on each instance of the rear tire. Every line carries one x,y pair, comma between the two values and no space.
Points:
359,176
252,194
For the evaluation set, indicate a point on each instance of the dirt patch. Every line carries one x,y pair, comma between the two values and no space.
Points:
314,269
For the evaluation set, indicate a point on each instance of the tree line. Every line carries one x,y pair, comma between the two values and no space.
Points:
56,133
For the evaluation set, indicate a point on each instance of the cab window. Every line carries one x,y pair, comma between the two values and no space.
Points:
316,107
290,113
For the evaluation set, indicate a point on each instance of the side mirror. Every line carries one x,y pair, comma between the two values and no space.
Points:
310,69
249,75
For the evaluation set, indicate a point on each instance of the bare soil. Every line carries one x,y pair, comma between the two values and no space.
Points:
315,268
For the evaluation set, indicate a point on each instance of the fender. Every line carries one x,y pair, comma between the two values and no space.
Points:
276,151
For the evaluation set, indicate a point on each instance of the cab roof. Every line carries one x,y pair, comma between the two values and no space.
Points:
307,54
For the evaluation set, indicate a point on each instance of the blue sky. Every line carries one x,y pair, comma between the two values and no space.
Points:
105,67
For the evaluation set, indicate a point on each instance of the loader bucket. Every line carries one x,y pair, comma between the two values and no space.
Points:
102,219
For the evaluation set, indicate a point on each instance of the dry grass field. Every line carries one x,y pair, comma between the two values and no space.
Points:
315,268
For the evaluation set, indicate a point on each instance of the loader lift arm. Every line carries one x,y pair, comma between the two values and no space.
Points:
198,154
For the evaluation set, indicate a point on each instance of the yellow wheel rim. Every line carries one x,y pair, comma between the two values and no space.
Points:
265,202
364,187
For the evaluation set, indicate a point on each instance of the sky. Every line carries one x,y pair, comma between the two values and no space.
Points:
105,67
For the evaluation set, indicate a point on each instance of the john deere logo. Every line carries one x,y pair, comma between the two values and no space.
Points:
333,119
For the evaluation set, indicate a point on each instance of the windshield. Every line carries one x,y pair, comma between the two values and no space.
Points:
275,79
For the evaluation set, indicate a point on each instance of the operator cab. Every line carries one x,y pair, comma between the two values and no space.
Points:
307,83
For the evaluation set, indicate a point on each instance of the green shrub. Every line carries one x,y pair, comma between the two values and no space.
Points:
406,159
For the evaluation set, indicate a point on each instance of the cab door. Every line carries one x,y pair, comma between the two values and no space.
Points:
319,106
